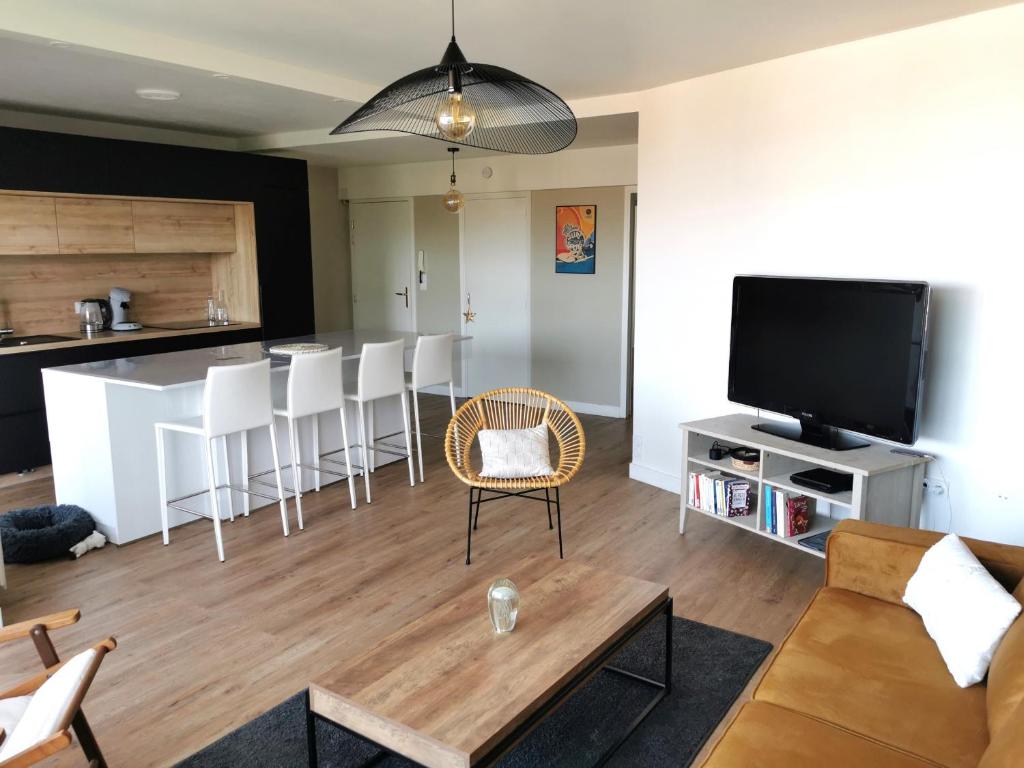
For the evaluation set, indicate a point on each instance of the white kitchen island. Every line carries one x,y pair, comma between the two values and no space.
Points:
102,442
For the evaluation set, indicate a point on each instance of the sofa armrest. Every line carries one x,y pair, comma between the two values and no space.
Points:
878,560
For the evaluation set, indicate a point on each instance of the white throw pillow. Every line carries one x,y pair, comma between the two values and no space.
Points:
964,609
509,453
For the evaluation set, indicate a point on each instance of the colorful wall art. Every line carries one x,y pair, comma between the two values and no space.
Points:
575,239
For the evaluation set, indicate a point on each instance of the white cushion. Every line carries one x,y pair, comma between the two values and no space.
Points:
11,711
964,609
509,453
41,717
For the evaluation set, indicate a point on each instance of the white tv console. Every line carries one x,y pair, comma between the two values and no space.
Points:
887,486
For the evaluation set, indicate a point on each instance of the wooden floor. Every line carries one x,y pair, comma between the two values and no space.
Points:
206,646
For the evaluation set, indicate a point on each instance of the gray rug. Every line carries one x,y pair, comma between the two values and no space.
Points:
710,669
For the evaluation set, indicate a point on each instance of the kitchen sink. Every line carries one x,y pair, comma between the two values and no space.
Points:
24,341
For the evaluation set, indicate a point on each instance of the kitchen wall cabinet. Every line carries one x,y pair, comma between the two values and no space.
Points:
94,225
172,227
28,225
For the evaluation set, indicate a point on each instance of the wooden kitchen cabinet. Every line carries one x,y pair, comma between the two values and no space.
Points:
169,227
28,225
94,225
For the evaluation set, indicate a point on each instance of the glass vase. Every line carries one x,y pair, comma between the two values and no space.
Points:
503,605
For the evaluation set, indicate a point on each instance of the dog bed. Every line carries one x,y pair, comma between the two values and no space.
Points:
43,533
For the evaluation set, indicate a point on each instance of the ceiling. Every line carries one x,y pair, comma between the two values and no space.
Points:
298,68
38,77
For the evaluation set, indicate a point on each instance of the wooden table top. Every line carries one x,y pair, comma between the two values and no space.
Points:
446,689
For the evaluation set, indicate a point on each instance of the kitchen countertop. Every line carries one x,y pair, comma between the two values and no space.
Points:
78,339
188,367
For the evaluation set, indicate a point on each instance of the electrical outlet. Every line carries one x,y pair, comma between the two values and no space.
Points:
638,448
935,487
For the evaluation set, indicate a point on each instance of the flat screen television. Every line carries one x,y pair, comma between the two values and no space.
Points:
835,354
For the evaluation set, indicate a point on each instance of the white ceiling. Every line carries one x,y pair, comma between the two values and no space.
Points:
298,68
76,82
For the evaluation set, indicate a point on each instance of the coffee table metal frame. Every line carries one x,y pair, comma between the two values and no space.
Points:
664,608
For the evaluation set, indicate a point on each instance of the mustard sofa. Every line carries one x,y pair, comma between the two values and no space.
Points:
858,681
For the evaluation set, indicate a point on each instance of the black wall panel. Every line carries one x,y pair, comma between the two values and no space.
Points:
278,187
38,161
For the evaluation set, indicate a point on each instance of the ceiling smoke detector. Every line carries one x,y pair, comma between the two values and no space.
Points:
157,94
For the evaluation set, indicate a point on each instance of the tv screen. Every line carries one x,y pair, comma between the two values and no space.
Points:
847,354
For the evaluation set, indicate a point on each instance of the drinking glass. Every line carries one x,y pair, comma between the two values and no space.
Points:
503,605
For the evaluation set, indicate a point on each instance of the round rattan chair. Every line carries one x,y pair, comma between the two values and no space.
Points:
514,408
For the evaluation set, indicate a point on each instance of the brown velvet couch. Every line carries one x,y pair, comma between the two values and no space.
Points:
859,682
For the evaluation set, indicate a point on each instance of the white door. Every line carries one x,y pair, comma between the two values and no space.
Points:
496,276
382,266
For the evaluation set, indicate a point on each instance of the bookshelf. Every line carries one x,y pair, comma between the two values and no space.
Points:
887,487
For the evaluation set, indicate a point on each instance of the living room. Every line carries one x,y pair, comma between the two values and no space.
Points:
737,306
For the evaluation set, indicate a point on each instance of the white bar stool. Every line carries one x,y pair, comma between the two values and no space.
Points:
314,387
236,399
431,365
381,374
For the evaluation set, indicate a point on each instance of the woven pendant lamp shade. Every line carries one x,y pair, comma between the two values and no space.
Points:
501,110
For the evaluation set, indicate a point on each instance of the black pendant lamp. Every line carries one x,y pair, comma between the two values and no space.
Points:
476,105
453,200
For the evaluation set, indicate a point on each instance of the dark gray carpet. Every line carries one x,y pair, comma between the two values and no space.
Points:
710,669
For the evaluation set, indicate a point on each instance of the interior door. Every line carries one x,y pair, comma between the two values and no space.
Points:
381,237
496,278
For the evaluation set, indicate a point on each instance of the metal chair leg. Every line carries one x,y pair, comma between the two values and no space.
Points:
243,437
365,452
419,442
547,499
227,477
469,526
214,502
276,455
293,441
348,457
476,517
558,509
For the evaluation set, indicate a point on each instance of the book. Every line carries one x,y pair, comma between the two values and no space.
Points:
799,515
718,493
768,508
780,518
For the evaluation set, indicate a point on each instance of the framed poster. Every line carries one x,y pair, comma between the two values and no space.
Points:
575,239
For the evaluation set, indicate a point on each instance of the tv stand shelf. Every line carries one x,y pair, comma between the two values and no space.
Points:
887,486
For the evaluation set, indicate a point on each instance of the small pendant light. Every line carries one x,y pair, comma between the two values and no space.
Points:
453,201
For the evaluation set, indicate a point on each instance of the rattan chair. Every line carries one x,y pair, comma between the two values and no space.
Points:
514,408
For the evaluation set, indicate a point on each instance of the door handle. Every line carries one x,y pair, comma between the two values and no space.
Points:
404,293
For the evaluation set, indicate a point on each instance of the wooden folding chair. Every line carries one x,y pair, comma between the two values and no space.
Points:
40,710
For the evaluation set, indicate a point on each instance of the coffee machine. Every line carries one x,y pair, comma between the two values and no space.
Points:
120,304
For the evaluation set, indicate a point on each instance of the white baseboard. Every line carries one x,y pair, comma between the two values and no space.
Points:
655,477
595,409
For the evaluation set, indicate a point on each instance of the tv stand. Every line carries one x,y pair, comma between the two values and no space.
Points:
887,486
812,434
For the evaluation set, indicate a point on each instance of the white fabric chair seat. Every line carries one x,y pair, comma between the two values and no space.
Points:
44,710
11,711
192,424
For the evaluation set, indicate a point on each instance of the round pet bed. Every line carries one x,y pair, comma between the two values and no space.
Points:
43,533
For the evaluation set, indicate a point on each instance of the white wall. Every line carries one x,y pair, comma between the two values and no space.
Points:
899,156
595,167
332,258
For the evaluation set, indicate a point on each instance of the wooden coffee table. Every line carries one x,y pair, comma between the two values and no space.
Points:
446,690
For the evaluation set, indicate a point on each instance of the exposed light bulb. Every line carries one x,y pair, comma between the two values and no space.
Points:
455,118
453,201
